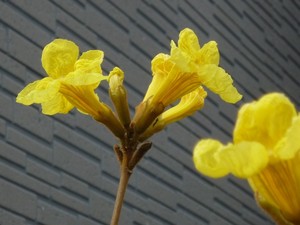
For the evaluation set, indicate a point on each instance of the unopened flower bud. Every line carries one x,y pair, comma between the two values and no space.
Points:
118,95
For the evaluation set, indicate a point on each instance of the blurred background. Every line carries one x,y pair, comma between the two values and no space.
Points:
61,170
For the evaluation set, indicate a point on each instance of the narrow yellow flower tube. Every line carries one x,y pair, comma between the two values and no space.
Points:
266,151
189,104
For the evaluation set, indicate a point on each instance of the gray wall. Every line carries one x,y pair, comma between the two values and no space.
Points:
61,170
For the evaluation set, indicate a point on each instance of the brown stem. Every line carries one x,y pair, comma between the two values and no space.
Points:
124,178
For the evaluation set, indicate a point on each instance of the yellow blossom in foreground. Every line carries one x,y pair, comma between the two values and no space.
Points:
186,68
266,151
71,82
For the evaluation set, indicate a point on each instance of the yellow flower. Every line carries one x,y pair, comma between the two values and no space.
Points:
186,68
71,82
188,105
266,151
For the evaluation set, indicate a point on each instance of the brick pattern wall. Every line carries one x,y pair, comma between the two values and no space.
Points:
61,170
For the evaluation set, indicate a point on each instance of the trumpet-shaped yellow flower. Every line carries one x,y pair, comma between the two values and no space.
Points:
70,82
266,151
186,68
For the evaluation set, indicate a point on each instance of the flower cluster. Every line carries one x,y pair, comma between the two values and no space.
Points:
177,78
266,146
180,76
266,151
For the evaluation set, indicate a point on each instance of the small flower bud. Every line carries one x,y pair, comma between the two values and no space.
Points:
118,95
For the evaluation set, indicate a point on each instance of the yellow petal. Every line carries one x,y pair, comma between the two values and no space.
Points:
209,54
183,60
265,121
39,91
90,61
244,159
289,145
59,104
170,81
206,158
219,82
158,64
79,78
184,56
188,41
59,57
189,46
